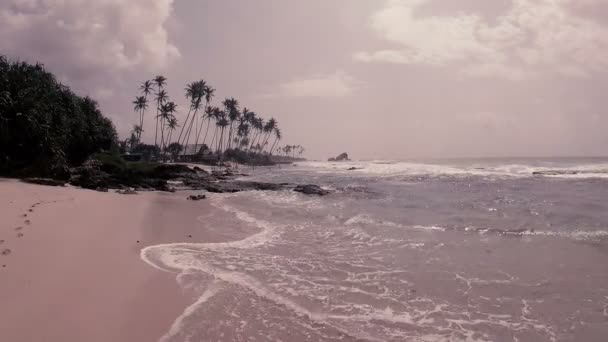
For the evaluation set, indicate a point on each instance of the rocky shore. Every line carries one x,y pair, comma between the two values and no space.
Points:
99,176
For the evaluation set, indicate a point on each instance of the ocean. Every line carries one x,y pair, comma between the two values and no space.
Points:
462,250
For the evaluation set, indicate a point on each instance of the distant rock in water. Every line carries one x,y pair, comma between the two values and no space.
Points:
341,157
556,172
311,189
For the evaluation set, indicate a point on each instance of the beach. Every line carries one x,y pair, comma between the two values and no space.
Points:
397,251
72,270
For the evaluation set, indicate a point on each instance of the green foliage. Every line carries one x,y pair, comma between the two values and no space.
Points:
175,149
44,126
148,152
248,158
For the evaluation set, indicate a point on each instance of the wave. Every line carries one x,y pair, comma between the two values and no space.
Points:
388,168
578,234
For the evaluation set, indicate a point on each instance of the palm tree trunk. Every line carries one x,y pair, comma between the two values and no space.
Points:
179,138
273,145
207,131
200,130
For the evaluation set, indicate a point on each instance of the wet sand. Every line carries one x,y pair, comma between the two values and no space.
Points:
70,268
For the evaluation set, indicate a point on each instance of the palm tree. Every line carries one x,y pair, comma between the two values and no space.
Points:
231,107
209,93
140,106
195,92
209,114
136,131
222,123
277,135
268,129
161,96
217,115
172,124
258,123
146,89
166,113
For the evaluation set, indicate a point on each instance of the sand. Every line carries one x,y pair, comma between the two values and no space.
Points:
70,268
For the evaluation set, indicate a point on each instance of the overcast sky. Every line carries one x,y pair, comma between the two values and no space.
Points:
376,78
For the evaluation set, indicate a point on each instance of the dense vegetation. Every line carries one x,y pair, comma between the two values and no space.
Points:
227,132
44,127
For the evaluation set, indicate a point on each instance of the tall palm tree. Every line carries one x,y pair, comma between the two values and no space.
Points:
136,132
161,96
209,115
140,106
146,89
209,93
195,92
277,138
268,129
171,125
231,107
222,123
259,126
217,115
166,113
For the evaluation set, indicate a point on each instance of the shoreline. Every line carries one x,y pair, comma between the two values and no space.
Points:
72,266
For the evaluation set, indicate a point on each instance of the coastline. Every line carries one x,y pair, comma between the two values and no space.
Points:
73,271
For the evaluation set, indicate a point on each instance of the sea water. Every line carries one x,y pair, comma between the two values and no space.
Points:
465,250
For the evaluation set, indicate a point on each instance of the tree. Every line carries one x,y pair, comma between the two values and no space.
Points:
277,134
270,126
171,125
161,96
175,149
146,89
141,103
44,126
231,107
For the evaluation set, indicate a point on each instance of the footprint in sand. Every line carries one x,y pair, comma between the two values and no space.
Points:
27,222
6,251
20,235
30,210
1,241
18,228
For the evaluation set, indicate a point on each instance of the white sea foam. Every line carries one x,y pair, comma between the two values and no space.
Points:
384,168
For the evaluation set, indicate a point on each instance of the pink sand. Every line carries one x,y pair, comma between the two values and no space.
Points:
76,274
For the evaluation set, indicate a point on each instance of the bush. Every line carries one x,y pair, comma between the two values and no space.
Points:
44,126
245,157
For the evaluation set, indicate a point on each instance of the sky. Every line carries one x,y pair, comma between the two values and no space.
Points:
379,79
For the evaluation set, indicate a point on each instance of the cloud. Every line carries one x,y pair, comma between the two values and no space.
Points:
530,38
83,40
337,84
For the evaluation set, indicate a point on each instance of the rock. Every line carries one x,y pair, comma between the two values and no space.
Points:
340,157
44,181
196,197
162,185
127,192
101,189
311,189
353,168
555,172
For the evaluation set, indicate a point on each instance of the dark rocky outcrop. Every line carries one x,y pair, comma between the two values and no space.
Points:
340,157
311,189
44,181
555,172
196,197
127,192
116,174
